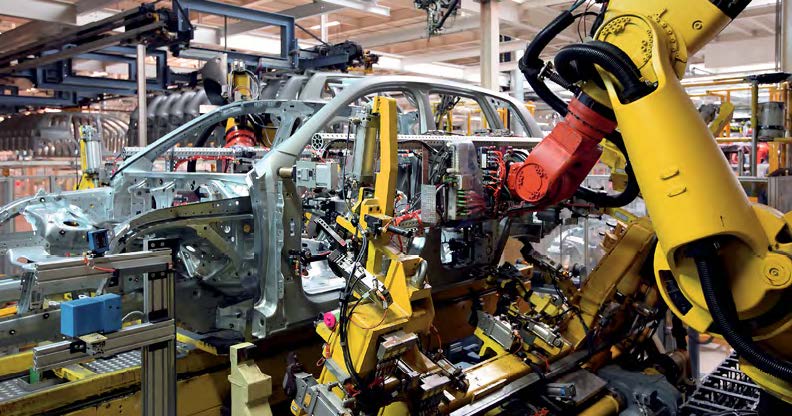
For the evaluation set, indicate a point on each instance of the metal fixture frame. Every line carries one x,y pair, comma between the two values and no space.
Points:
156,336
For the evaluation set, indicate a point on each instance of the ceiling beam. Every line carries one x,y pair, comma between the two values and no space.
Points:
362,6
737,26
41,10
411,32
48,17
85,6
510,46
316,8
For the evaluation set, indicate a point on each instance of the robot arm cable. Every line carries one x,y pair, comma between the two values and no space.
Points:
576,63
575,58
724,312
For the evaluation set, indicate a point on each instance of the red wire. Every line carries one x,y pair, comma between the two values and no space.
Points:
91,266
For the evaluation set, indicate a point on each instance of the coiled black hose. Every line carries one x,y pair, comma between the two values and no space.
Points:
449,11
201,142
720,303
576,63
531,65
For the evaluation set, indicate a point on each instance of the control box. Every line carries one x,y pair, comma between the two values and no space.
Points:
88,315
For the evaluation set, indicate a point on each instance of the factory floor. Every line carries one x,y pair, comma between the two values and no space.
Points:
711,355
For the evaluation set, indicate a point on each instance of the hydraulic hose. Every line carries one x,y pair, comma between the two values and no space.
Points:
576,62
721,306
531,65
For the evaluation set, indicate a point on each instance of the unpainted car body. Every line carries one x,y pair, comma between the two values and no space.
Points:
235,230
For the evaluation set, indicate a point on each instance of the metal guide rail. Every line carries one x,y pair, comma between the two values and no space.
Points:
323,140
18,387
65,353
191,152
726,388
125,263
155,335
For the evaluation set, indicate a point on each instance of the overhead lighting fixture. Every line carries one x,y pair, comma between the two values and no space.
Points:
329,24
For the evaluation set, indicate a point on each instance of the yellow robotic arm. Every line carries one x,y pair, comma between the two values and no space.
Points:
723,265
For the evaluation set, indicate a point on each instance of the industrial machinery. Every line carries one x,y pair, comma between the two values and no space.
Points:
50,63
379,353
221,221
157,192
389,245
48,135
91,159
720,268
437,13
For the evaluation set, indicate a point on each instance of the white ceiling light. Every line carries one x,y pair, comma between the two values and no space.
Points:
329,24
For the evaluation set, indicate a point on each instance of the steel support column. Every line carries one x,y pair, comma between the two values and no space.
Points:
141,95
158,375
490,44
754,127
323,27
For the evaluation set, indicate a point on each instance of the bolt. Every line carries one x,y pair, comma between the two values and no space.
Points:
777,275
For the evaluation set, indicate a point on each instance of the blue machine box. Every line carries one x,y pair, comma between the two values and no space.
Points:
97,314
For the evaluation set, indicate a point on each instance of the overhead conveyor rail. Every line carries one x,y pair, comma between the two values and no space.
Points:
49,63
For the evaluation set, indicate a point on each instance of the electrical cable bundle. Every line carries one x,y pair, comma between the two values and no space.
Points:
576,63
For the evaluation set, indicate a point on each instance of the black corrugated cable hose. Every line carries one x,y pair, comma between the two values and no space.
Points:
531,65
576,63
717,293
731,8
200,142
630,192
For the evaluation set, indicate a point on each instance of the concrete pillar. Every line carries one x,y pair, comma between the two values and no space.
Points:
323,27
490,44
786,36
517,81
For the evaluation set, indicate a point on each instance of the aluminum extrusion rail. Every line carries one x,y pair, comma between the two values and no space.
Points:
322,140
62,354
188,152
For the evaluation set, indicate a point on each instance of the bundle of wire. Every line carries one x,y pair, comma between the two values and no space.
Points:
345,315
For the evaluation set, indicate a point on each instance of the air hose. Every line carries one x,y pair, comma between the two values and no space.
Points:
721,307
